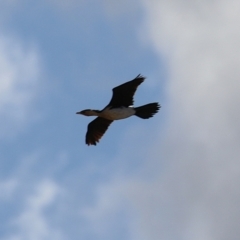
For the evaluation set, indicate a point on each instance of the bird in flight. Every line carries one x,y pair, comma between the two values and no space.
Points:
120,107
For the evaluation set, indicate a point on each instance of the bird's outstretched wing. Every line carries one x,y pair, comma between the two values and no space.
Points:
96,129
123,94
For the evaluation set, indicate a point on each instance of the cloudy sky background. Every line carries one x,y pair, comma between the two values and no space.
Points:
175,176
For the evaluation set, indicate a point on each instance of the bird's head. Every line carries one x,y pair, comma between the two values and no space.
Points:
88,112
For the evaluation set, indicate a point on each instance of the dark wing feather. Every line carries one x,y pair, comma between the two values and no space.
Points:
96,129
123,94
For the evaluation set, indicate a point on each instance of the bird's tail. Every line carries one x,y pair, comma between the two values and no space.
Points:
148,110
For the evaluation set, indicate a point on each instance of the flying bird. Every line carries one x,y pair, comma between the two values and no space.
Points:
120,107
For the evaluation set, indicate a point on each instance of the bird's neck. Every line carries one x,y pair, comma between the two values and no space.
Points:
93,112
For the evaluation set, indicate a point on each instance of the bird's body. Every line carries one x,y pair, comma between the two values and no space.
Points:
120,107
117,113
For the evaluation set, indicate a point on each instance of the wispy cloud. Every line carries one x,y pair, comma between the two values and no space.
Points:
32,222
196,194
20,74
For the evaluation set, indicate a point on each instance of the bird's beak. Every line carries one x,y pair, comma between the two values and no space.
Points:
79,112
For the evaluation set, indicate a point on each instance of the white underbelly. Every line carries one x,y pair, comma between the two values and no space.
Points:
117,113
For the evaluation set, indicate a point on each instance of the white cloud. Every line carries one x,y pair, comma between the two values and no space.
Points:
196,193
32,223
19,72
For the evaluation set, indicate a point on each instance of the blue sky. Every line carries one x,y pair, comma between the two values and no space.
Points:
175,176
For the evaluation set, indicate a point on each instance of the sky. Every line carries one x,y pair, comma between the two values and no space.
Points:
175,176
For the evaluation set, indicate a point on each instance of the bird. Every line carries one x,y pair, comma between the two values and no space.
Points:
119,107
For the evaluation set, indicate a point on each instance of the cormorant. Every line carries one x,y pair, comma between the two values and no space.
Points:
120,107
